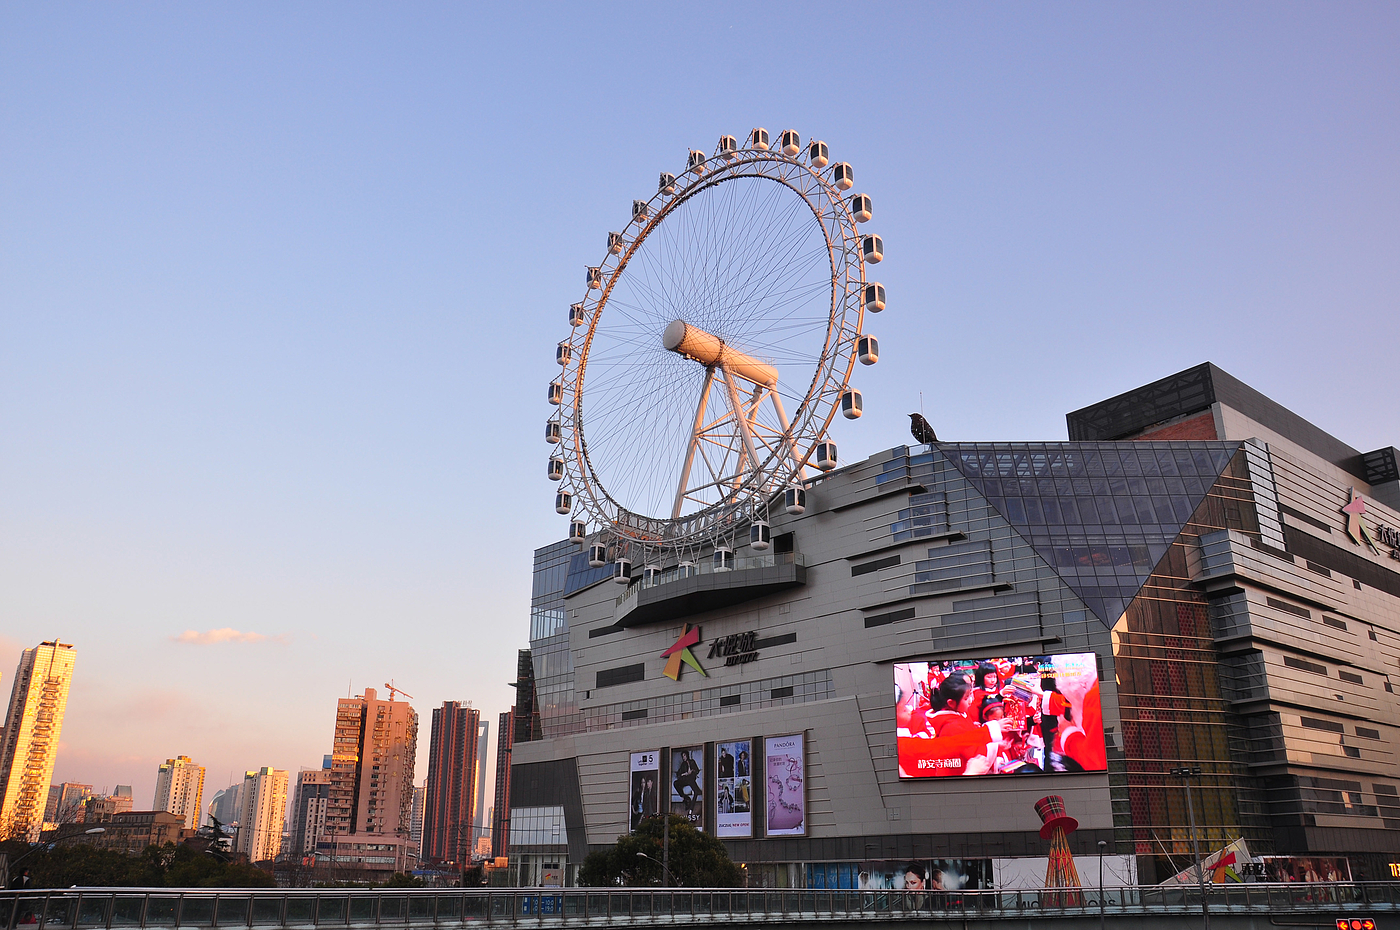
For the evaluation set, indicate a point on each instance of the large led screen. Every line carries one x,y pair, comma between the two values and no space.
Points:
1018,715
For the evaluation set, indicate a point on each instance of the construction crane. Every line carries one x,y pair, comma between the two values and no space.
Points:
392,690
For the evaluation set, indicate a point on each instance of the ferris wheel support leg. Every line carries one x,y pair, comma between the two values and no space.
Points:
787,431
742,420
695,432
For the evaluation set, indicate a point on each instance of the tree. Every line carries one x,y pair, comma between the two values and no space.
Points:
697,859
158,866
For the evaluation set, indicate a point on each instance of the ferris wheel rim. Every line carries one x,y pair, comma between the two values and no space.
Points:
817,405
674,203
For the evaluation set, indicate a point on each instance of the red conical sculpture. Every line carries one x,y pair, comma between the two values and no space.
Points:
1056,825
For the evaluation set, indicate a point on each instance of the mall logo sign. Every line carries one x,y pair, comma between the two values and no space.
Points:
1354,510
736,648
680,652
1389,536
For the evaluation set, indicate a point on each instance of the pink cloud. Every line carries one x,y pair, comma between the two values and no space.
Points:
224,635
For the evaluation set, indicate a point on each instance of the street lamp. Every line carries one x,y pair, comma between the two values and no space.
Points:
1186,773
1103,844
666,872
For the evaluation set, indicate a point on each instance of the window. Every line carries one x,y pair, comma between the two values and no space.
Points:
1290,608
1313,723
926,514
868,567
961,565
1305,665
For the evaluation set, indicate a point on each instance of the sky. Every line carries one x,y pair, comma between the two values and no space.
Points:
280,286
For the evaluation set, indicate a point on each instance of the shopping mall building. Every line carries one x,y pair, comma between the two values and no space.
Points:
1229,572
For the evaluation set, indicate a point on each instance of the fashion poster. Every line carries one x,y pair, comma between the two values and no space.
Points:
1305,869
734,789
645,786
786,777
1016,715
926,875
688,784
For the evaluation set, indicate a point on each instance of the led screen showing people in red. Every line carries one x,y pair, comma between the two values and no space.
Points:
1018,715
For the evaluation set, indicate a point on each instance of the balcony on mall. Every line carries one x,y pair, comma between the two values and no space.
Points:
683,591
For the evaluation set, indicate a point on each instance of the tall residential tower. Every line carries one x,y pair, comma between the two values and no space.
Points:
450,806
180,789
264,806
30,745
371,784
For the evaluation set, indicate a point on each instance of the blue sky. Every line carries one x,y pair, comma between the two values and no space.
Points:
280,286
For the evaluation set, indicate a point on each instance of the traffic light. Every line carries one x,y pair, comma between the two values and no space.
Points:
1356,923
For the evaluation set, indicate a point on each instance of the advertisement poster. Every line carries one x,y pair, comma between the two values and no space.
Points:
1231,864
688,784
1014,715
927,875
1028,872
1304,869
644,789
734,789
787,772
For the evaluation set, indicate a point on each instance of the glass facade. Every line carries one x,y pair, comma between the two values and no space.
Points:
537,826
1103,514
549,639
1172,705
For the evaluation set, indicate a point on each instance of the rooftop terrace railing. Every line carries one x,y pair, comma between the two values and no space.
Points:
94,908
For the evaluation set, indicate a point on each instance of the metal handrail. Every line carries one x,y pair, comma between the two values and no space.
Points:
117,908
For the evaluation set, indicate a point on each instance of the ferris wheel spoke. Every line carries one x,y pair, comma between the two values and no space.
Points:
750,262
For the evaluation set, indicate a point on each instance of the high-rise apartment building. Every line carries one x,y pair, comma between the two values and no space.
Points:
415,824
30,745
264,805
452,783
227,803
180,789
372,766
500,805
483,743
309,812
66,803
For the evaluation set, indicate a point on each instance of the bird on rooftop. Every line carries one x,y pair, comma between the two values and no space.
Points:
921,430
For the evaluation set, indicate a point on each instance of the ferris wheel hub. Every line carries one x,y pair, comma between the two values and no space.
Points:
712,351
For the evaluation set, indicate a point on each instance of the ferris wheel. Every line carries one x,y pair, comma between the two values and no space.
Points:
712,349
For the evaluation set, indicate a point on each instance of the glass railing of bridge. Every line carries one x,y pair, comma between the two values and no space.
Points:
105,909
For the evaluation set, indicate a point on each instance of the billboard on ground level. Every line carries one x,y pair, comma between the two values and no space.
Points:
1304,869
1029,872
927,875
688,784
644,787
1231,864
1015,715
734,789
785,776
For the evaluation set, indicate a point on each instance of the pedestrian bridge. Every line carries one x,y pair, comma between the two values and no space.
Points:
1232,907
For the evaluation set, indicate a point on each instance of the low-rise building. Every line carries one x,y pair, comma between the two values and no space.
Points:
131,832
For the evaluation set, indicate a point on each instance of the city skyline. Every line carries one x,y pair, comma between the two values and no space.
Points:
281,290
